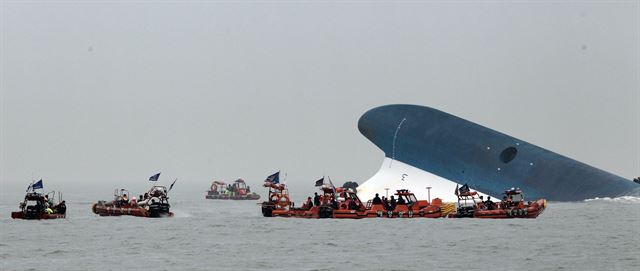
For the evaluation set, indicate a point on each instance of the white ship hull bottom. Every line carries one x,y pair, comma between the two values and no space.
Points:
396,175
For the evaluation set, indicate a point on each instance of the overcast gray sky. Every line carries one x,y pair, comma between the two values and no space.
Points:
108,92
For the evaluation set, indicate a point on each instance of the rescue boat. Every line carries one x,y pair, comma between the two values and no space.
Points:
278,203
513,205
407,206
239,190
155,203
343,203
41,206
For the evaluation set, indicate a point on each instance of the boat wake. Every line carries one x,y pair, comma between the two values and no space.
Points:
180,213
623,199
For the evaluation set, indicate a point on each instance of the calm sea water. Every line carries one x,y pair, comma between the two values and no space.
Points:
602,234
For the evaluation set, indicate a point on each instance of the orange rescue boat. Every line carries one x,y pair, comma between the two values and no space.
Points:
155,203
513,205
344,203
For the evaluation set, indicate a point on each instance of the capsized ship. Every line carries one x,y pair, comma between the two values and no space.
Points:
425,147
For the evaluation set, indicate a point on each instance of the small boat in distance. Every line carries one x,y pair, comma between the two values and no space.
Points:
239,190
40,206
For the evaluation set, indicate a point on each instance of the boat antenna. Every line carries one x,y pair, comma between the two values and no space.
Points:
331,183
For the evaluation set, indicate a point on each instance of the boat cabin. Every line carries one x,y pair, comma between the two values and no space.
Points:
348,199
513,196
240,186
406,196
217,187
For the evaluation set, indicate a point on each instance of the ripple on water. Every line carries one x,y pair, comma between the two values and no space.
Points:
55,252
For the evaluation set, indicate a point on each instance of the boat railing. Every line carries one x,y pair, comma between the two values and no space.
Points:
369,204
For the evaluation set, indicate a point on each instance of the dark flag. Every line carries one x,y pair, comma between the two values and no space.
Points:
457,194
174,182
464,189
320,182
36,185
154,177
273,178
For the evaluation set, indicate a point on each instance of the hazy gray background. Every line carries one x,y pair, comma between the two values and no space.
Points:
106,94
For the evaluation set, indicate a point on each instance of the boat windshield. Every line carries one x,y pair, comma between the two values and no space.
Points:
32,202
411,198
516,197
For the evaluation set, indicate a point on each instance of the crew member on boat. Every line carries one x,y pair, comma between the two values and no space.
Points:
392,204
490,205
376,199
308,204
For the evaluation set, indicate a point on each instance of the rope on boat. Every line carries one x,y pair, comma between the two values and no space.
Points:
447,208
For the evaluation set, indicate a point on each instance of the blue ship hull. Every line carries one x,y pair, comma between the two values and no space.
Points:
489,161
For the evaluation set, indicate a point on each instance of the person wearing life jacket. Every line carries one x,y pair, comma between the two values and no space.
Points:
385,203
376,199
392,204
124,200
308,204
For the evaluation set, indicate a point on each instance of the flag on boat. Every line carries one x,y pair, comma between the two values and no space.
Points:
36,185
154,177
464,189
456,192
274,178
320,182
